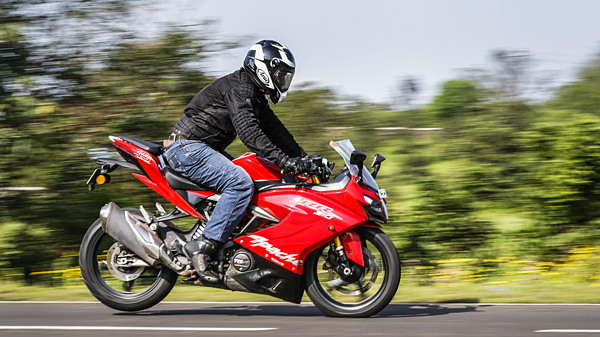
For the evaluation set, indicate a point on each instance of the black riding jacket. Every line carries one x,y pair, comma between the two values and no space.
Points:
233,105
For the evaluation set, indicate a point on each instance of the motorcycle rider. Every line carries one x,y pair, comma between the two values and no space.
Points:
236,104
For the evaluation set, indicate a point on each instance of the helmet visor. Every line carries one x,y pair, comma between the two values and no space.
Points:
283,78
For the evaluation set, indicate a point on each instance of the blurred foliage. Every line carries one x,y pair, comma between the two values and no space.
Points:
582,96
20,248
479,173
457,100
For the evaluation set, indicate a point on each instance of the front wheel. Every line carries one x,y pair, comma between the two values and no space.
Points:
364,295
117,278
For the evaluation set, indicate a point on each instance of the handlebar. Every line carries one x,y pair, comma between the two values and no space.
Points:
317,167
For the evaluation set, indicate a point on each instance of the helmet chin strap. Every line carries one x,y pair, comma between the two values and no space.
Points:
265,93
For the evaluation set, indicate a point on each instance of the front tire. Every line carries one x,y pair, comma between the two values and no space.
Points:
145,287
363,298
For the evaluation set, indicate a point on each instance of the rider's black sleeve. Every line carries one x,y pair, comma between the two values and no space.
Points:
279,134
243,116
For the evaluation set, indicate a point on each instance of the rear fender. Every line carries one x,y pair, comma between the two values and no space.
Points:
353,247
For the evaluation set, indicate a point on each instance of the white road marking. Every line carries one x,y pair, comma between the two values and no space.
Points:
310,304
126,328
569,331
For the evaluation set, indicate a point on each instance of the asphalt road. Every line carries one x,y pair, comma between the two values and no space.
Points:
281,319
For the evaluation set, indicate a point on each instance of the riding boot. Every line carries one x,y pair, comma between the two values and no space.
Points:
200,251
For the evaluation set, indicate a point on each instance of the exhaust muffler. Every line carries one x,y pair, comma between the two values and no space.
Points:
127,228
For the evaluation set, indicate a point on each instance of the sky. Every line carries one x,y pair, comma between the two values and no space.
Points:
363,48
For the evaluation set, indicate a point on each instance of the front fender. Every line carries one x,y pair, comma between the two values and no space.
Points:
353,247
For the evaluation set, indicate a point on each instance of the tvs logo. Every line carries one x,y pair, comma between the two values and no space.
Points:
320,210
259,241
143,156
262,75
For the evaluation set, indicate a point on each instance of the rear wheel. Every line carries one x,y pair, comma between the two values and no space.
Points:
117,278
361,295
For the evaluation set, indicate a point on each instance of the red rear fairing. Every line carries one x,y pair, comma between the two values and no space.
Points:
153,178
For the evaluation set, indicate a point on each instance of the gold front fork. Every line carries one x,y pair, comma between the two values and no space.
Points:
339,248
338,243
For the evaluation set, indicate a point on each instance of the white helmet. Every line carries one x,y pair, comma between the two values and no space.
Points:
271,66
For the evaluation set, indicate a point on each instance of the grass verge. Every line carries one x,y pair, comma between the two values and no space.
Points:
454,293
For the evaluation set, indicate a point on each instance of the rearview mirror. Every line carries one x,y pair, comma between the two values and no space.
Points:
357,158
377,160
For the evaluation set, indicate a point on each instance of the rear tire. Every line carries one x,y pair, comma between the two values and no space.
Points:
149,286
366,297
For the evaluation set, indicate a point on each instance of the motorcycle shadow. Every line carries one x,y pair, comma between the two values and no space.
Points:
233,310
425,309
393,310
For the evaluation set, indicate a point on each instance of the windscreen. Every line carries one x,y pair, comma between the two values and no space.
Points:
345,148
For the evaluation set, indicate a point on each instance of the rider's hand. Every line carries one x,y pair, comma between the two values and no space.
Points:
296,165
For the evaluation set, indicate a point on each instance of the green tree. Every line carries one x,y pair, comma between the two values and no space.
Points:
565,184
25,249
53,121
582,96
441,224
457,100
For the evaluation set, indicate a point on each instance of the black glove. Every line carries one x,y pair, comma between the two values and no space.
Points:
295,166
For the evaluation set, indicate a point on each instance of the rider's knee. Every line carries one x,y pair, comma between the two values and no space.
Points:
244,183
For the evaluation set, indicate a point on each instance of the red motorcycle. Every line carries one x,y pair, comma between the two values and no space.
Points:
299,233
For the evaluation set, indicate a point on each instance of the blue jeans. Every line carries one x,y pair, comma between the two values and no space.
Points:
201,163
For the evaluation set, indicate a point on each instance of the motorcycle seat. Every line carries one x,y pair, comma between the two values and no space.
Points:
153,148
179,182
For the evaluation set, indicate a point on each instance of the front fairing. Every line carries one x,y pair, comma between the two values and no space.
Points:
310,216
373,195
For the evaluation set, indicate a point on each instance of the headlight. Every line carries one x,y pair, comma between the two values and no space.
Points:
375,210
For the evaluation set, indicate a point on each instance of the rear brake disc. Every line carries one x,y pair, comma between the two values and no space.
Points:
123,264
